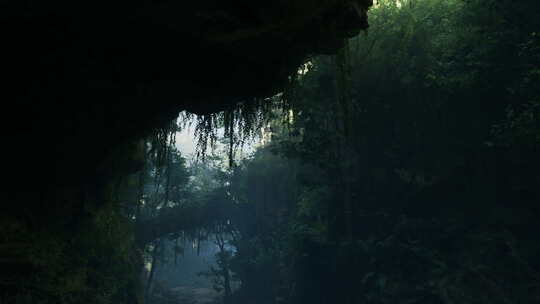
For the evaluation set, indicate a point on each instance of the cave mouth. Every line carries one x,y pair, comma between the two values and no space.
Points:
94,79
349,167
86,82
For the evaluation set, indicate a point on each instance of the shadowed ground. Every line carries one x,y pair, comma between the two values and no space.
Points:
196,295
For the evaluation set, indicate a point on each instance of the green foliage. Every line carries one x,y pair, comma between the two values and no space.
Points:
388,154
240,124
402,170
419,131
99,264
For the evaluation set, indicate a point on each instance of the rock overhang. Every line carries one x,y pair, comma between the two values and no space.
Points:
86,77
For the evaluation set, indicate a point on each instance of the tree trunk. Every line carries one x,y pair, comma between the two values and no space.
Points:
153,267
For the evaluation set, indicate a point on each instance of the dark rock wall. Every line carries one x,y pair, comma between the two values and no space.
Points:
84,77
84,80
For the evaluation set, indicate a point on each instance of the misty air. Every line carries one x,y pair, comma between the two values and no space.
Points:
270,152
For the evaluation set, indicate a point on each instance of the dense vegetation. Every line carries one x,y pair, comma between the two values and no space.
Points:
404,169
408,168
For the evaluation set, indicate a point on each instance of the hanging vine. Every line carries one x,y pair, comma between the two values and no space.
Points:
237,126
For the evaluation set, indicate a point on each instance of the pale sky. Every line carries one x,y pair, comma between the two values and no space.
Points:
186,143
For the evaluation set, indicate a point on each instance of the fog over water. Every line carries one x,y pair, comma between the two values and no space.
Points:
186,271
